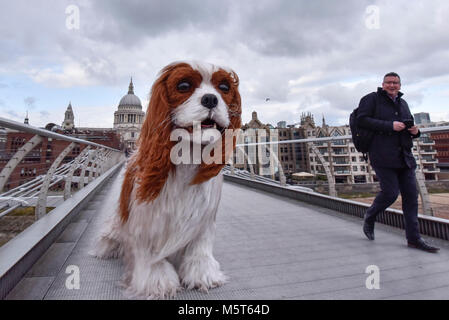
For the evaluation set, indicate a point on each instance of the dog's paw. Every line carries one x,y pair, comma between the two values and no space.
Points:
202,274
106,248
155,282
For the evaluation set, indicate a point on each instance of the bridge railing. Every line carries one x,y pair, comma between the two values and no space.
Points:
41,168
312,144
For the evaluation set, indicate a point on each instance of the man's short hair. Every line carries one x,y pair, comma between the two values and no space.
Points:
392,74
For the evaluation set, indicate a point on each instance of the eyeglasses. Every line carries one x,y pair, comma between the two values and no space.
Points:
392,82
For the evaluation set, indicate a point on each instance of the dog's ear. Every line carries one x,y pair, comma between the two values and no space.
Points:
153,159
151,165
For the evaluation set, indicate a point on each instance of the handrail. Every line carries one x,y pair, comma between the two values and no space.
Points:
423,130
19,254
100,158
431,226
434,129
45,133
310,141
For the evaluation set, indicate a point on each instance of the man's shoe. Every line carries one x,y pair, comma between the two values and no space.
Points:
422,245
368,230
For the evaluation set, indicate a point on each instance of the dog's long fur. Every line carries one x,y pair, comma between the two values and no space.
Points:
164,227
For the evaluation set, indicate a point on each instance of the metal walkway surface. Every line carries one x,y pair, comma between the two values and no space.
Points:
270,247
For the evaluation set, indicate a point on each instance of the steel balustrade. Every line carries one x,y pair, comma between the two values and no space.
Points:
42,201
330,177
17,158
96,159
100,158
68,182
325,139
431,226
420,178
25,193
273,158
91,155
95,156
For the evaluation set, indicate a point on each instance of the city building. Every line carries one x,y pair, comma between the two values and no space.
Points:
426,156
421,118
69,119
128,119
340,157
252,132
26,121
441,140
442,147
39,160
105,136
282,124
348,166
345,164
293,156
436,163
36,162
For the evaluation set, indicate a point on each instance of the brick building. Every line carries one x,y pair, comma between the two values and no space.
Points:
345,164
439,141
442,146
38,161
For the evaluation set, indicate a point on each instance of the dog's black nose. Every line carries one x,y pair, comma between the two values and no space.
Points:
209,101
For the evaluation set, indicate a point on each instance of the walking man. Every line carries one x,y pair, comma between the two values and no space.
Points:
388,116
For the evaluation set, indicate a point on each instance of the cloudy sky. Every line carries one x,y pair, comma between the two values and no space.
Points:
306,56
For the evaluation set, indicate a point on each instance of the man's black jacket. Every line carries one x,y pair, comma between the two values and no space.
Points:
389,148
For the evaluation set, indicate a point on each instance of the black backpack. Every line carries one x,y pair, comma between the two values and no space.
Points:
361,137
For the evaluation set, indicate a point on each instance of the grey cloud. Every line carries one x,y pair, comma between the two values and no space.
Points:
413,98
274,28
44,114
28,33
279,28
135,20
345,98
269,43
289,116
13,114
29,101
295,28
275,89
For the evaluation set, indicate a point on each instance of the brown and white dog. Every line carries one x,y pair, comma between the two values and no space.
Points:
164,227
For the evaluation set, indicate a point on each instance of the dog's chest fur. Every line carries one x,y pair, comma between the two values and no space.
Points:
178,214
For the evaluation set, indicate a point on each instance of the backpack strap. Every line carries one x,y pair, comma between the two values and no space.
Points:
376,102
375,105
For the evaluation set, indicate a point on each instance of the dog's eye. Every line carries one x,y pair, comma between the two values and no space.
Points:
223,87
183,86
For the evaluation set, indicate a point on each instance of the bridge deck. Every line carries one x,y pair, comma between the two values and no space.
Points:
270,247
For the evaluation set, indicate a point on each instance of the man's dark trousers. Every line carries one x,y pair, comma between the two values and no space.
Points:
393,180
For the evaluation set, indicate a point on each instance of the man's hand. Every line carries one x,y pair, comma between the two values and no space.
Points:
413,130
399,126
